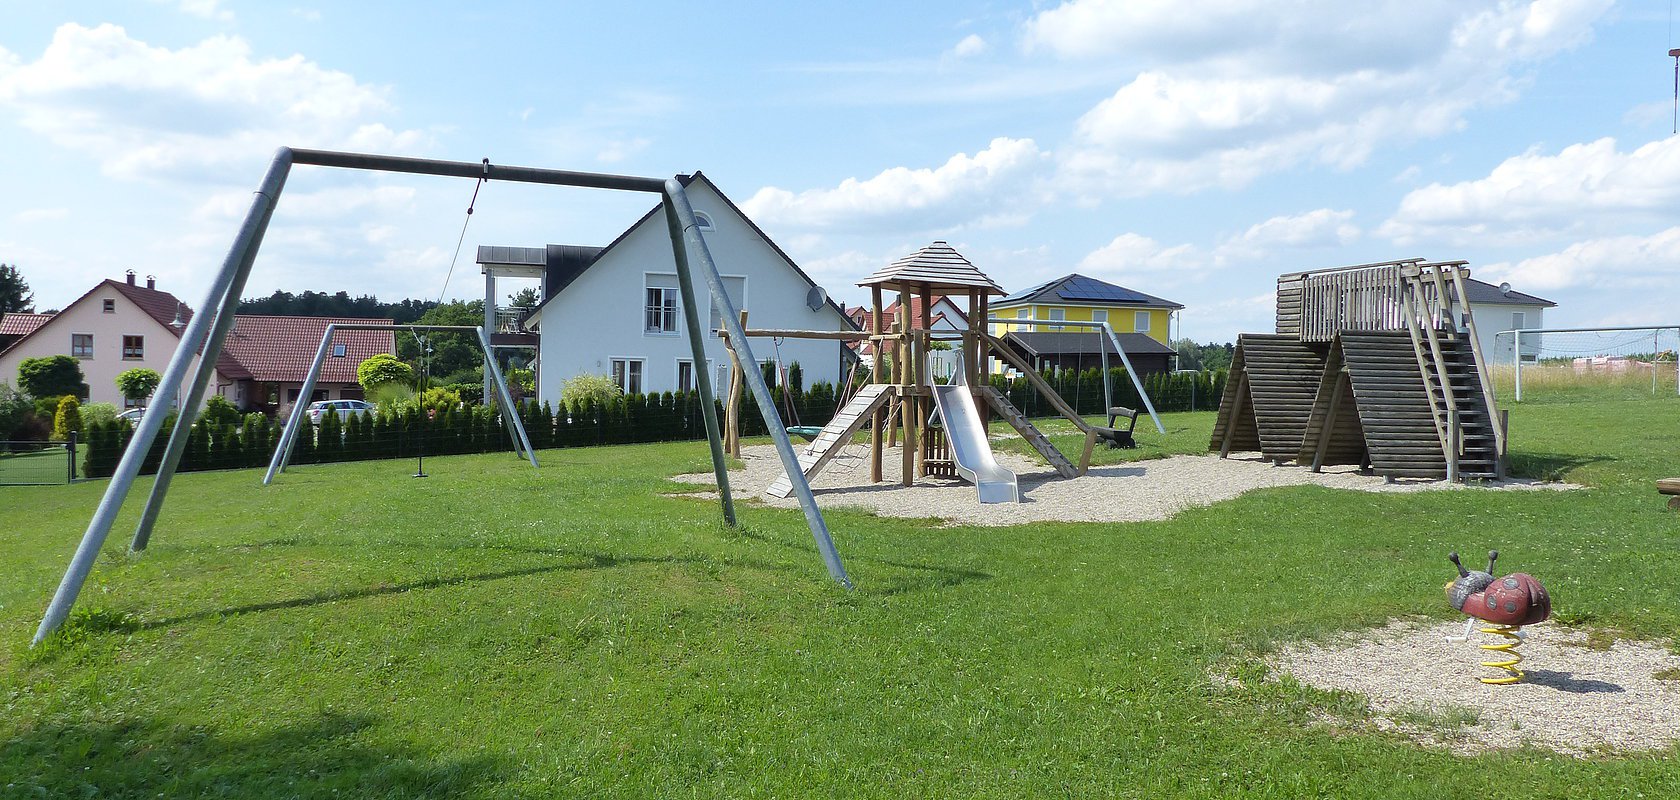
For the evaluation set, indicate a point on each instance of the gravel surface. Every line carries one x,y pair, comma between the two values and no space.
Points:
1142,490
1575,699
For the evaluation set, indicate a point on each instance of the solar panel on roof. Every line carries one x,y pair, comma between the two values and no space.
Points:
1083,288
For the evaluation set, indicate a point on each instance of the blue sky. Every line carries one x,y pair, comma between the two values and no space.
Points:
1192,150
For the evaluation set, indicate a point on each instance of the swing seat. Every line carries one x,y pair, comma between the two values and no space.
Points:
806,432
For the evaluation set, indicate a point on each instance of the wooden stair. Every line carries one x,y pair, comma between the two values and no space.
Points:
1023,426
1400,407
835,435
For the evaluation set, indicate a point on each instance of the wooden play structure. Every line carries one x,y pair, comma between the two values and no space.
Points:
900,409
1376,365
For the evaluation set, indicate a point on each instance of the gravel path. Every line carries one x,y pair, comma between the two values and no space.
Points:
1138,491
1575,700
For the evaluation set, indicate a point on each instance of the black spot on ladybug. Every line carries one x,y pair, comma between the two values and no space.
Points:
1510,606
1510,583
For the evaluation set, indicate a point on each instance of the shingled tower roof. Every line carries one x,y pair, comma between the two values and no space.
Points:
937,267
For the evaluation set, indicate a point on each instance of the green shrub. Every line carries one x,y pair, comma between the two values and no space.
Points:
383,369
97,413
138,383
68,418
51,376
579,390
218,412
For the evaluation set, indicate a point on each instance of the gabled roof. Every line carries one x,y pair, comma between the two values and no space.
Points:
280,349
891,312
1481,292
937,266
21,323
1088,343
566,263
161,306
1083,290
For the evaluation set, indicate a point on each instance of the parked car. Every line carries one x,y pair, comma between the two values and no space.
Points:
344,408
133,415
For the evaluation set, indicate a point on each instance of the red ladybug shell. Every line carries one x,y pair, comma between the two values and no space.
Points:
1516,599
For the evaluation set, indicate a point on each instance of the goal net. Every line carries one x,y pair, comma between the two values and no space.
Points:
1585,364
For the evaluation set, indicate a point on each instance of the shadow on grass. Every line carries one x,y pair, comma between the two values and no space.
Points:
1549,466
929,576
591,561
324,756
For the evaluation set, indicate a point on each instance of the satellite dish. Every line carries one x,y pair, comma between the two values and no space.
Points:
816,298
1505,288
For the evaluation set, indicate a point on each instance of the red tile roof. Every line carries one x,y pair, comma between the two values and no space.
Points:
279,349
21,323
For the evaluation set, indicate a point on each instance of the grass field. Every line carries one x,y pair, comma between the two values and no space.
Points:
38,467
498,631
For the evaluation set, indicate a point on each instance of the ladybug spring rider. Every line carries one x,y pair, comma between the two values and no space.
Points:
1506,603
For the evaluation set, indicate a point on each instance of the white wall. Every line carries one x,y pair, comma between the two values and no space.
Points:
100,371
599,317
1491,318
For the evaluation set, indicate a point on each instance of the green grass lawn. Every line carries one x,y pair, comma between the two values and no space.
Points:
498,631
39,467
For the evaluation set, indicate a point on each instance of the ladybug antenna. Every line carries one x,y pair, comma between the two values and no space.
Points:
1462,572
1493,555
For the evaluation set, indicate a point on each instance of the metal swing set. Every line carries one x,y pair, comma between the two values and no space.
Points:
207,332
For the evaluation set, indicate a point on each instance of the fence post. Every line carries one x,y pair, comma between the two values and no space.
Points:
1516,356
71,446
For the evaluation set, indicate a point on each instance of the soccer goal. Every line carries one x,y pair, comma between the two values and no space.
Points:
1586,363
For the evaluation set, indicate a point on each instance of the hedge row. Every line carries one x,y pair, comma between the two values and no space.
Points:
671,416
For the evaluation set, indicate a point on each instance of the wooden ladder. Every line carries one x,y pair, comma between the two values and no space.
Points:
835,435
1034,437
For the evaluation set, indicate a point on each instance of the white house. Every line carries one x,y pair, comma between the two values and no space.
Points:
1499,308
616,310
116,326
119,325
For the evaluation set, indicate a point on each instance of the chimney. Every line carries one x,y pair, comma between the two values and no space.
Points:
151,281
131,277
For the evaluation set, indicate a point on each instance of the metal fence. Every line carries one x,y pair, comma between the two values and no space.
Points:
37,463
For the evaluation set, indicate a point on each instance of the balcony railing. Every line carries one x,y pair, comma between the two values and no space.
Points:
508,317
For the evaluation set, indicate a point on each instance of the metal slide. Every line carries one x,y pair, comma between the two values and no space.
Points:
969,447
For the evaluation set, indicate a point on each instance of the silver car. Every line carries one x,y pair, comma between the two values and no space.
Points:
344,408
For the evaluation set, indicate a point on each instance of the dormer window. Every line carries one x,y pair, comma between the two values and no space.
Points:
338,350
110,306
703,221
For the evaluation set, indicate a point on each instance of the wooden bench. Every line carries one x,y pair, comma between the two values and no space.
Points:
1670,487
1113,435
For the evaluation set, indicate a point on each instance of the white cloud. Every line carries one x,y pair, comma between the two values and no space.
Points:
1321,228
32,215
620,149
145,111
208,9
1629,264
1589,186
990,185
1237,90
1131,252
971,45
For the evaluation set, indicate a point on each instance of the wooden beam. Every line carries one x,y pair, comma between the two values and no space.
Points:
1008,354
1328,427
878,421
907,377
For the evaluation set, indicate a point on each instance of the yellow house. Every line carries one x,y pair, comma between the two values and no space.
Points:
1076,298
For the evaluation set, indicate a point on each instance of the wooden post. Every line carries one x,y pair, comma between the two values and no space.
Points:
731,424
924,373
880,418
738,383
907,379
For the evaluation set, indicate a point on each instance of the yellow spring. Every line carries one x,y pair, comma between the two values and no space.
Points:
1508,648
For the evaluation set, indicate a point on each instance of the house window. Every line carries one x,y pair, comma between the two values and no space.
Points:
81,345
1519,320
134,347
1057,315
1022,314
685,376
110,306
722,384
1100,315
338,350
661,310
1140,321
703,221
627,373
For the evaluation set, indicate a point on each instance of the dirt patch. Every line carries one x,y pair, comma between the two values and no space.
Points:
1576,699
1138,491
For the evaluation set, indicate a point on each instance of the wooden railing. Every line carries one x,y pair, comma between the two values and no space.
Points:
1315,306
